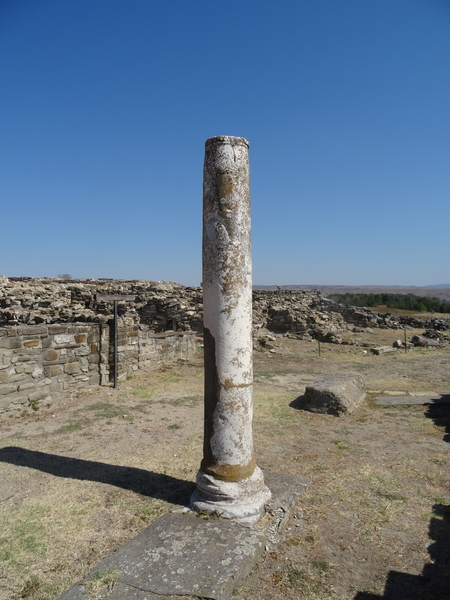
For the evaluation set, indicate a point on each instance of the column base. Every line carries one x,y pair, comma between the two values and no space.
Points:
240,501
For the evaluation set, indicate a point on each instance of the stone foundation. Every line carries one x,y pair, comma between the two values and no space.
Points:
43,362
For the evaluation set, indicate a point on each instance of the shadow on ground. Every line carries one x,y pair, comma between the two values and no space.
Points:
147,483
299,403
434,582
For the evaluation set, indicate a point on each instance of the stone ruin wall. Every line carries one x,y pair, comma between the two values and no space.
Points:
55,337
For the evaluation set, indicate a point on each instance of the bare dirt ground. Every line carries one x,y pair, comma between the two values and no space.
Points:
82,476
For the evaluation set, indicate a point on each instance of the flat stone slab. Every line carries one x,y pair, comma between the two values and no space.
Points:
180,554
186,555
383,350
285,489
419,399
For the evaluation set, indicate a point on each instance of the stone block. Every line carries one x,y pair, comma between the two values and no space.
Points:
34,330
57,329
93,337
39,395
383,350
56,370
17,377
10,342
182,555
8,402
72,368
64,339
3,377
7,389
37,372
45,381
50,355
336,394
82,351
56,387
80,338
26,386
32,344
47,341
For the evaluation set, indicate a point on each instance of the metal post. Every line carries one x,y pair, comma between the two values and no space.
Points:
318,341
116,384
228,482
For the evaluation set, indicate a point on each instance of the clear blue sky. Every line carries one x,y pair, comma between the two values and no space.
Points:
105,106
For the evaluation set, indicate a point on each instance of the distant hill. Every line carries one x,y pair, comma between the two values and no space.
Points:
440,291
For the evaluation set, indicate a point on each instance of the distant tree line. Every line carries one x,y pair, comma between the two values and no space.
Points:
403,301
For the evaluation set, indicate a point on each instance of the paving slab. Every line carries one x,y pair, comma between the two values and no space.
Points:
286,490
419,399
182,554
185,555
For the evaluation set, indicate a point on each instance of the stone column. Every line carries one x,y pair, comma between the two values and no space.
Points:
228,482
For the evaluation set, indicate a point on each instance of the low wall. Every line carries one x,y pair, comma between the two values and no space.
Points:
43,362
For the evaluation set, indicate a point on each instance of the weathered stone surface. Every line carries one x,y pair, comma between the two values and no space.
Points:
336,394
425,342
182,555
415,399
229,481
285,490
383,350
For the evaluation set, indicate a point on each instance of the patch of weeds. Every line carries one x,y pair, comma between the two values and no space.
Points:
144,392
208,515
345,431
296,576
70,427
294,542
31,586
148,510
310,539
440,499
340,445
129,377
34,404
102,582
102,410
383,512
319,467
174,426
320,565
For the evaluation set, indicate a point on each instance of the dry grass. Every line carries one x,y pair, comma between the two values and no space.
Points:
79,484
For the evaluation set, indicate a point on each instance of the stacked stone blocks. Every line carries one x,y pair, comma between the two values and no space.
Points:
43,362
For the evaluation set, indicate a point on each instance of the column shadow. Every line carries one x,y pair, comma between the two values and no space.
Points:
147,483
434,581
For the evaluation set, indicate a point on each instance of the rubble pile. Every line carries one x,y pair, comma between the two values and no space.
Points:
169,306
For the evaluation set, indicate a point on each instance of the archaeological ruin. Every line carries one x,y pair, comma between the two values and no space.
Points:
159,325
